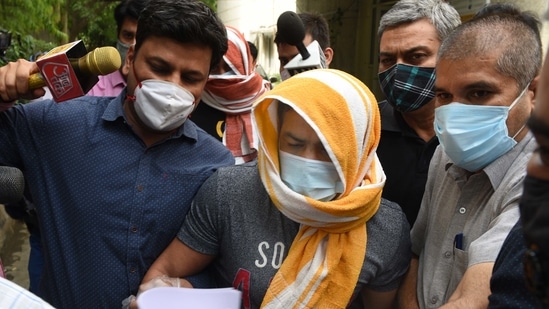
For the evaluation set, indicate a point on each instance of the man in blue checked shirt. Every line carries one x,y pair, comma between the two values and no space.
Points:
112,178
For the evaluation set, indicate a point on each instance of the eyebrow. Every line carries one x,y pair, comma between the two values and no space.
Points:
152,60
290,135
408,51
475,85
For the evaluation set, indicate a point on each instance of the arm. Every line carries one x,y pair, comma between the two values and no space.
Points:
178,260
381,300
407,292
473,289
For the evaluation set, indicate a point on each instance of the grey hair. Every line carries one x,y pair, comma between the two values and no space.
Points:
443,16
512,37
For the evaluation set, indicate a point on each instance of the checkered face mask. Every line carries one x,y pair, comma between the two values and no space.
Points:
407,87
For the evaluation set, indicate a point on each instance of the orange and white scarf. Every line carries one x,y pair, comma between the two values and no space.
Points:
326,256
235,94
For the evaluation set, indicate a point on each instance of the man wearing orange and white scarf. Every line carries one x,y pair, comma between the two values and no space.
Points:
231,89
306,226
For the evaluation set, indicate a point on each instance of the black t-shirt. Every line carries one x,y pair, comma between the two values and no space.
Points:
405,159
209,119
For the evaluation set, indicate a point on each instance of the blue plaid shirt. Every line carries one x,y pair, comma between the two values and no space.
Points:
107,204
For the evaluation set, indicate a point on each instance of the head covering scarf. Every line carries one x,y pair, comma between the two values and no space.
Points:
326,256
235,94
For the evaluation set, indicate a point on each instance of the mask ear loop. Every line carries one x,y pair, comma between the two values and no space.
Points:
513,105
132,97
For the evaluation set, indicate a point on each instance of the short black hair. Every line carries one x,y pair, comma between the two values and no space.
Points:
127,9
528,18
185,21
315,25
253,50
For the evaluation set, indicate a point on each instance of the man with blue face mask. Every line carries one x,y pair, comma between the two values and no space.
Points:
487,74
410,34
311,204
126,14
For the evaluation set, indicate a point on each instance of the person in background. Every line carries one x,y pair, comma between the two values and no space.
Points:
257,67
316,28
232,87
487,76
534,205
253,52
126,14
410,34
305,225
25,211
113,177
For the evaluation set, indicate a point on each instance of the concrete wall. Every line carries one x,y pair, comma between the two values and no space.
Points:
256,19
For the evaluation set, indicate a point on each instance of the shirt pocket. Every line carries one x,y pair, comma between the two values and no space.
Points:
461,260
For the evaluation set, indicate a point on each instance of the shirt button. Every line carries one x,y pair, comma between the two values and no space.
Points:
132,269
140,188
434,300
447,254
134,229
462,210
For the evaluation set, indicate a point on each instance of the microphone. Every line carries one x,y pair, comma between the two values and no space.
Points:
290,30
100,61
298,64
12,185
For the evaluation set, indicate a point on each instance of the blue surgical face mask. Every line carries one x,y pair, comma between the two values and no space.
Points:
122,50
313,178
473,136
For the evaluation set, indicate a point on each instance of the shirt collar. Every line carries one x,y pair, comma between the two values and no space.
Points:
115,111
117,78
496,170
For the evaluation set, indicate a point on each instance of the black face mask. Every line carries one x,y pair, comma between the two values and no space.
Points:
534,210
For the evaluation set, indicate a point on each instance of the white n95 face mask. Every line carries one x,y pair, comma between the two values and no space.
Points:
161,105
313,178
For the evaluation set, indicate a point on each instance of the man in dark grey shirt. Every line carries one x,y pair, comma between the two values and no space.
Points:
304,225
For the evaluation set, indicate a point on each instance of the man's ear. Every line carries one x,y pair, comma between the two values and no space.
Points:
329,54
130,55
533,87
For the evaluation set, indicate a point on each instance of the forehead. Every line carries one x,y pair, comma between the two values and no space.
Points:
129,24
289,51
409,35
293,123
455,74
182,56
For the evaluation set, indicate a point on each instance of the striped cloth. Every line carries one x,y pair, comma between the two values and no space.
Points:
326,257
235,94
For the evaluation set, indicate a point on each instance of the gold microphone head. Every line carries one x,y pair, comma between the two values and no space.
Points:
100,61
